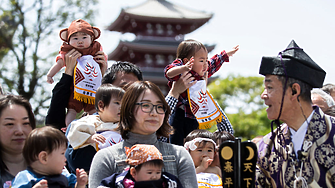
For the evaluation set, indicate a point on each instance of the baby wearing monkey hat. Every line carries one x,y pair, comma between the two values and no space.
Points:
81,37
146,164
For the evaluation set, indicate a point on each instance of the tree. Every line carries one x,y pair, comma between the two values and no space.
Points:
26,30
242,96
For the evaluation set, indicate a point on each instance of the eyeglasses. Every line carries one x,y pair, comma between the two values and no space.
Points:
147,107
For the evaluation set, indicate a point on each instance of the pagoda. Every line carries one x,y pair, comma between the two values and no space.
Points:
159,27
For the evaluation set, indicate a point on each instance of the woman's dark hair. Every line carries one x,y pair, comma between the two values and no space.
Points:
128,106
200,133
156,162
188,48
7,100
105,92
46,139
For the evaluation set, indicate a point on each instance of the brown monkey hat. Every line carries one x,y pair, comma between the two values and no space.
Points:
79,25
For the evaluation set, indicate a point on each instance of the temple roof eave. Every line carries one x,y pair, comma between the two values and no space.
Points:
144,47
119,22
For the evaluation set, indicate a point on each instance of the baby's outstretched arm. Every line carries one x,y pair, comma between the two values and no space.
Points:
232,51
81,178
54,69
175,71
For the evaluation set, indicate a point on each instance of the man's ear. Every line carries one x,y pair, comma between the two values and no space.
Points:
296,90
43,157
133,173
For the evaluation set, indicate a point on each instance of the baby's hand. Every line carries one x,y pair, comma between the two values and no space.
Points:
188,66
206,161
232,52
98,138
41,184
50,80
81,177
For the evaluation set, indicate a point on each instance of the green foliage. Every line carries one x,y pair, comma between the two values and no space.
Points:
242,94
26,30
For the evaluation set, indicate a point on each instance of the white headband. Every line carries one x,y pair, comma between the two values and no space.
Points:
191,144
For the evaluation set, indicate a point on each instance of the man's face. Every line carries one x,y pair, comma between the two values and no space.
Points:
272,96
320,102
123,79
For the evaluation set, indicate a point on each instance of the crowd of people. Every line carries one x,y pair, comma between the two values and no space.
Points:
134,136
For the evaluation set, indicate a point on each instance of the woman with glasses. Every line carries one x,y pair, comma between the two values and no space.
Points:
144,117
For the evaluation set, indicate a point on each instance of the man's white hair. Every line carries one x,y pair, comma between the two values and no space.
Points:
326,97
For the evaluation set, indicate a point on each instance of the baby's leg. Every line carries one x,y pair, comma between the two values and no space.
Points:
70,116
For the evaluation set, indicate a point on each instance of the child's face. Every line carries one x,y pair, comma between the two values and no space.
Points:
56,161
202,151
80,40
148,172
111,113
200,65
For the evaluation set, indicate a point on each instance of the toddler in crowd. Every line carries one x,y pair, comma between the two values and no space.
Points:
98,131
80,36
146,164
195,107
202,147
44,153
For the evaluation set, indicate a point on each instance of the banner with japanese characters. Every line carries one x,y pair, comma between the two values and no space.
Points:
238,163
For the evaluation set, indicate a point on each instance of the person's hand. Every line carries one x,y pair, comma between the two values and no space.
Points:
188,66
71,61
81,177
98,138
206,77
206,161
41,184
185,81
50,80
232,52
101,60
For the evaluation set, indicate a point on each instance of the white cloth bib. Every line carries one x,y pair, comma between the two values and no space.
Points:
87,79
203,106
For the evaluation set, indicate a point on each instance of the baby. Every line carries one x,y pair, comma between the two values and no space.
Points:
146,164
202,147
44,153
196,108
80,40
94,132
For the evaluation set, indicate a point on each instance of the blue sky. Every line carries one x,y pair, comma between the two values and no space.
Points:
260,27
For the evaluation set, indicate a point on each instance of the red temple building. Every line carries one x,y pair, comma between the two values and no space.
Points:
159,27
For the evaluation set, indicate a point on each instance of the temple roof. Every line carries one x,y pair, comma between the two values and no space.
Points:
160,11
166,47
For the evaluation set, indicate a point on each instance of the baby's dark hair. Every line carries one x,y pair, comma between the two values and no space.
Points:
221,136
188,48
46,139
104,94
200,133
156,162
